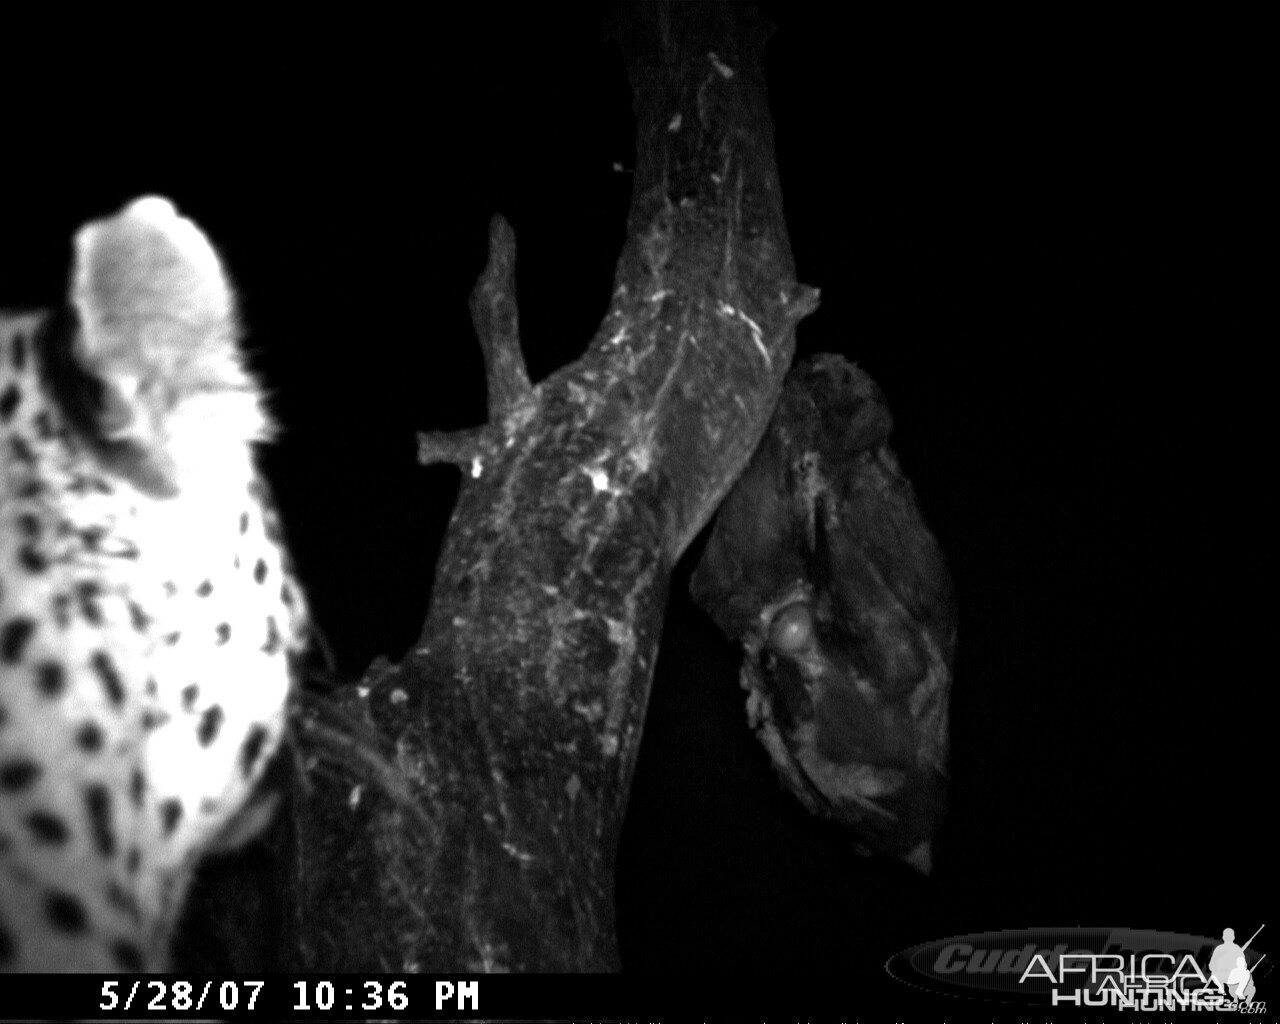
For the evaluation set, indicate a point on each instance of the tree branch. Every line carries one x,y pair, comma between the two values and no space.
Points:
462,809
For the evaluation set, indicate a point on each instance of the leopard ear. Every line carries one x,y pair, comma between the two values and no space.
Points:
155,308
148,270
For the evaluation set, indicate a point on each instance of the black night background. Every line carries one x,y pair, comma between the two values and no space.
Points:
1034,237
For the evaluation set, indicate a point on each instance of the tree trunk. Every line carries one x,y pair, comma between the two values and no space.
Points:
461,810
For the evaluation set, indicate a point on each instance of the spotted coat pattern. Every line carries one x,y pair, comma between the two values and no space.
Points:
147,614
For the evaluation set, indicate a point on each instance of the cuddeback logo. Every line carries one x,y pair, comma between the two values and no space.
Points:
1121,968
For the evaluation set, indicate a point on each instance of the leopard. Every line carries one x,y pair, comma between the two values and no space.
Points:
150,616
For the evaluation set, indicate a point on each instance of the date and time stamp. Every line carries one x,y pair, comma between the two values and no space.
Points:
273,998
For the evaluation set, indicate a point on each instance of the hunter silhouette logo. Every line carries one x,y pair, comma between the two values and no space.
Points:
1228,968
1154,980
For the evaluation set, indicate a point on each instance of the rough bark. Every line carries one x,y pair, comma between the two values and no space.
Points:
461,810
